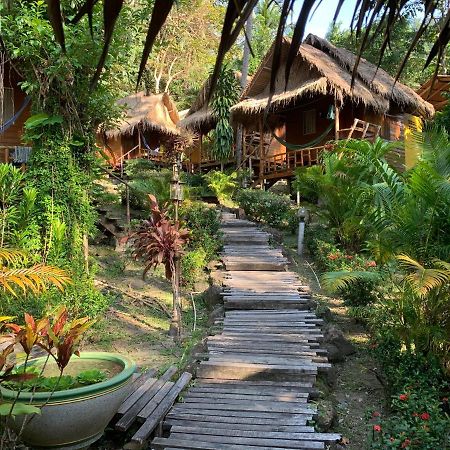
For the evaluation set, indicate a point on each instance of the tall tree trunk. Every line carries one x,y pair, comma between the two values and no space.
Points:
244,76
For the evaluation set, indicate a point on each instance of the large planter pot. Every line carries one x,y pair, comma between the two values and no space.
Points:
75,418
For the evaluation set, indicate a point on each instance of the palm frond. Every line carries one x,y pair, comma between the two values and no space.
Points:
34,278
336,281
11,256
422,280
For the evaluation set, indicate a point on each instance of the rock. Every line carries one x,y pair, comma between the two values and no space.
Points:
138,284
335,355
217,313
324,313
213,296
331,376
241,214
326,415
214,265
217,277
333,335
201,286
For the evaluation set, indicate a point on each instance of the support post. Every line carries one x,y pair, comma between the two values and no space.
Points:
261,151
139,143
336,120
127,192
201,153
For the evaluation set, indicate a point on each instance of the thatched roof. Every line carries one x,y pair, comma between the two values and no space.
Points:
148,112
322,68
432,91
200,116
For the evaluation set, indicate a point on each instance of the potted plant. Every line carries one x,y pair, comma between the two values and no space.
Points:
53,400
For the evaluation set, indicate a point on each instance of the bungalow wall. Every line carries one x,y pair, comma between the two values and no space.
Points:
13,135
308,121
122,144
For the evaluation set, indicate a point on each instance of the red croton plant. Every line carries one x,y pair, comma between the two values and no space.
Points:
55,334
159,240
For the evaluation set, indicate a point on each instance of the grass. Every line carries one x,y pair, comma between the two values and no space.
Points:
137,329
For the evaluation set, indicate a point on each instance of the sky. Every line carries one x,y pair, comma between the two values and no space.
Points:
323,17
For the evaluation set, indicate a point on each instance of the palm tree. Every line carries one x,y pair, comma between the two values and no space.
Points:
408,233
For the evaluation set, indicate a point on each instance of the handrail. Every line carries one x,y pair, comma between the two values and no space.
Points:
121,158
291,159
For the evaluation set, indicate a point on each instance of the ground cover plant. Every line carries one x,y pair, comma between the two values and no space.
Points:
204,242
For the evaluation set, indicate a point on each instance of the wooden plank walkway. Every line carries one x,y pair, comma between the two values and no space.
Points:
253,389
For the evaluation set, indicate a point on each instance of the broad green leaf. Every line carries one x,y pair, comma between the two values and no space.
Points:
18,409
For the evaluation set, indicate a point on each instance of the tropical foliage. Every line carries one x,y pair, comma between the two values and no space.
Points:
402,223
54,334
225,96
159,240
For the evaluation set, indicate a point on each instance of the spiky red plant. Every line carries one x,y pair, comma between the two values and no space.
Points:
159,240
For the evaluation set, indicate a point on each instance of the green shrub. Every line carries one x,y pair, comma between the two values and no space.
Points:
193,263
419,401
204,225
265,206
314,234
223,185
143,179
330,258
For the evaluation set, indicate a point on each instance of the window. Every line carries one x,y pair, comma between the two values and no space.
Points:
6,104
309,121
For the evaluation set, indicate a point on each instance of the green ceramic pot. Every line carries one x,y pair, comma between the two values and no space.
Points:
75,418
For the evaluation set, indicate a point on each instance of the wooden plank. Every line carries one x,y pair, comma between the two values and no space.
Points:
244,420
129,417
220,425
187,444
161,410
289,435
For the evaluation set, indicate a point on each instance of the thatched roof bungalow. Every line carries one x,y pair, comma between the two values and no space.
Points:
200,116
320,103
148,122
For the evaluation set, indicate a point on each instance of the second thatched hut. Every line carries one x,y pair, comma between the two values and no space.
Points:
149,122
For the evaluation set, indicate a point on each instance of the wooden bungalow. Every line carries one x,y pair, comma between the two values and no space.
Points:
318,105
432,91
14,111
150,120
200,120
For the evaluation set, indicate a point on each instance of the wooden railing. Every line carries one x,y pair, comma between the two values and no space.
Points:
287,162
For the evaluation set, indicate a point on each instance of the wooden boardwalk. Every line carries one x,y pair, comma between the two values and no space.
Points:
254,388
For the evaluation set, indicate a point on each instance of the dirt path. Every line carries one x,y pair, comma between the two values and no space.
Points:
357,392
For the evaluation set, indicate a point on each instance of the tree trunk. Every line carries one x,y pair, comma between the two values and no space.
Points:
244,76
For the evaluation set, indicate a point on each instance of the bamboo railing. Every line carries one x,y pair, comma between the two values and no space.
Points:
287,162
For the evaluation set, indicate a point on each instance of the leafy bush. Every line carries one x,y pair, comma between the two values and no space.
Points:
193,264
419,402
330,258
204,224
265,206
224,186
205,240
143,179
